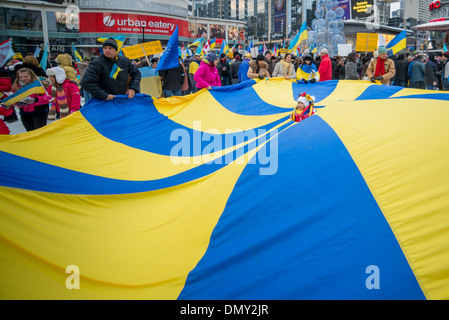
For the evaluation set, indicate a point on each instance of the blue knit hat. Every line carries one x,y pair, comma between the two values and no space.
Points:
381,50
211,57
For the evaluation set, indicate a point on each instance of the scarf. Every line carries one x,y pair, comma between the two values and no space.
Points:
287,69
380,68
302,115
57,92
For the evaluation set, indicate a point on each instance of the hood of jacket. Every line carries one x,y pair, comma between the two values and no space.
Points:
253,64
64,60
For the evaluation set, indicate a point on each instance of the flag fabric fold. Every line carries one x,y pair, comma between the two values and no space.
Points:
398,43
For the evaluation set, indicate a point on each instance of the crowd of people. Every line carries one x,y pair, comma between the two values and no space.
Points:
111,74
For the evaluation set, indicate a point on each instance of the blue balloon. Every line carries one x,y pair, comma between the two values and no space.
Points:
340,12
330,15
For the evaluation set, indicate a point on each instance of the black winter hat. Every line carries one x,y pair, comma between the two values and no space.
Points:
260,57
111,43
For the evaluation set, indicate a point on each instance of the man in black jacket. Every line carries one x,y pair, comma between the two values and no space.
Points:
107,75
224,67
172,80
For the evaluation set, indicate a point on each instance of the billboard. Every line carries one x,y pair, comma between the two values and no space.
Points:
280,16
362,9
346,6
131,23
172,7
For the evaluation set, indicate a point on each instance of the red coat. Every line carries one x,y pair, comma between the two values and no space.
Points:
5,86
325,68
72,94
5,112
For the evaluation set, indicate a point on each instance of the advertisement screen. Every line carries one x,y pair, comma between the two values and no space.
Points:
362,9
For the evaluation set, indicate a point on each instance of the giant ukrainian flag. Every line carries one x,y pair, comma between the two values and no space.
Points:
218,195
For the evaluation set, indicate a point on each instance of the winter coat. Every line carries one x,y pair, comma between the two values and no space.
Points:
401,71
254,72
389,70
224,73
419,71
431,73
72,95
243,70
82,67
235,69
207,75
173,78
279,70
325,68
5,85
271,65
5,112
65,62
351,71
98,82
40,104
445,75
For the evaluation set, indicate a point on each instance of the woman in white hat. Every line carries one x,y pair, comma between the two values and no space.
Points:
65,93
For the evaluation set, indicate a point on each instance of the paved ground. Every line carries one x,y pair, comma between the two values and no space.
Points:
17,127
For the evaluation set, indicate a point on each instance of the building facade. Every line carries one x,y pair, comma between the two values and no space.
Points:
67,23
436,29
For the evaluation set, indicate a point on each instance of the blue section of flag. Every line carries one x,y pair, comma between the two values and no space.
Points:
170,57
312,250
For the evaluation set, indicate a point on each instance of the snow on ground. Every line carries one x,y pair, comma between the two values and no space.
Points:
17,127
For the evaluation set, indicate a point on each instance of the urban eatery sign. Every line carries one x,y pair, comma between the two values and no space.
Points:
131,23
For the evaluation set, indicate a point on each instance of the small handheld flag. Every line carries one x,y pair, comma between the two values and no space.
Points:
115,71
33,88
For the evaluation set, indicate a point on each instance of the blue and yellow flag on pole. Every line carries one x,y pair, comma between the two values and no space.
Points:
170,57
33,88
78,57
44,58
398,43
302,35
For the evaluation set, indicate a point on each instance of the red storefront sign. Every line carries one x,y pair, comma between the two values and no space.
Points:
131,23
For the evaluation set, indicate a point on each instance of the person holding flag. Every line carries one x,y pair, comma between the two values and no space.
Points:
107,75
170,68
30,96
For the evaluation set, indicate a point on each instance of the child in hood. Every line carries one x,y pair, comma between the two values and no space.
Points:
304,108
65,62
65,93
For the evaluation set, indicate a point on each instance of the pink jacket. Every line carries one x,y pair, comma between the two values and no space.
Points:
72,94
207,75
42,99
